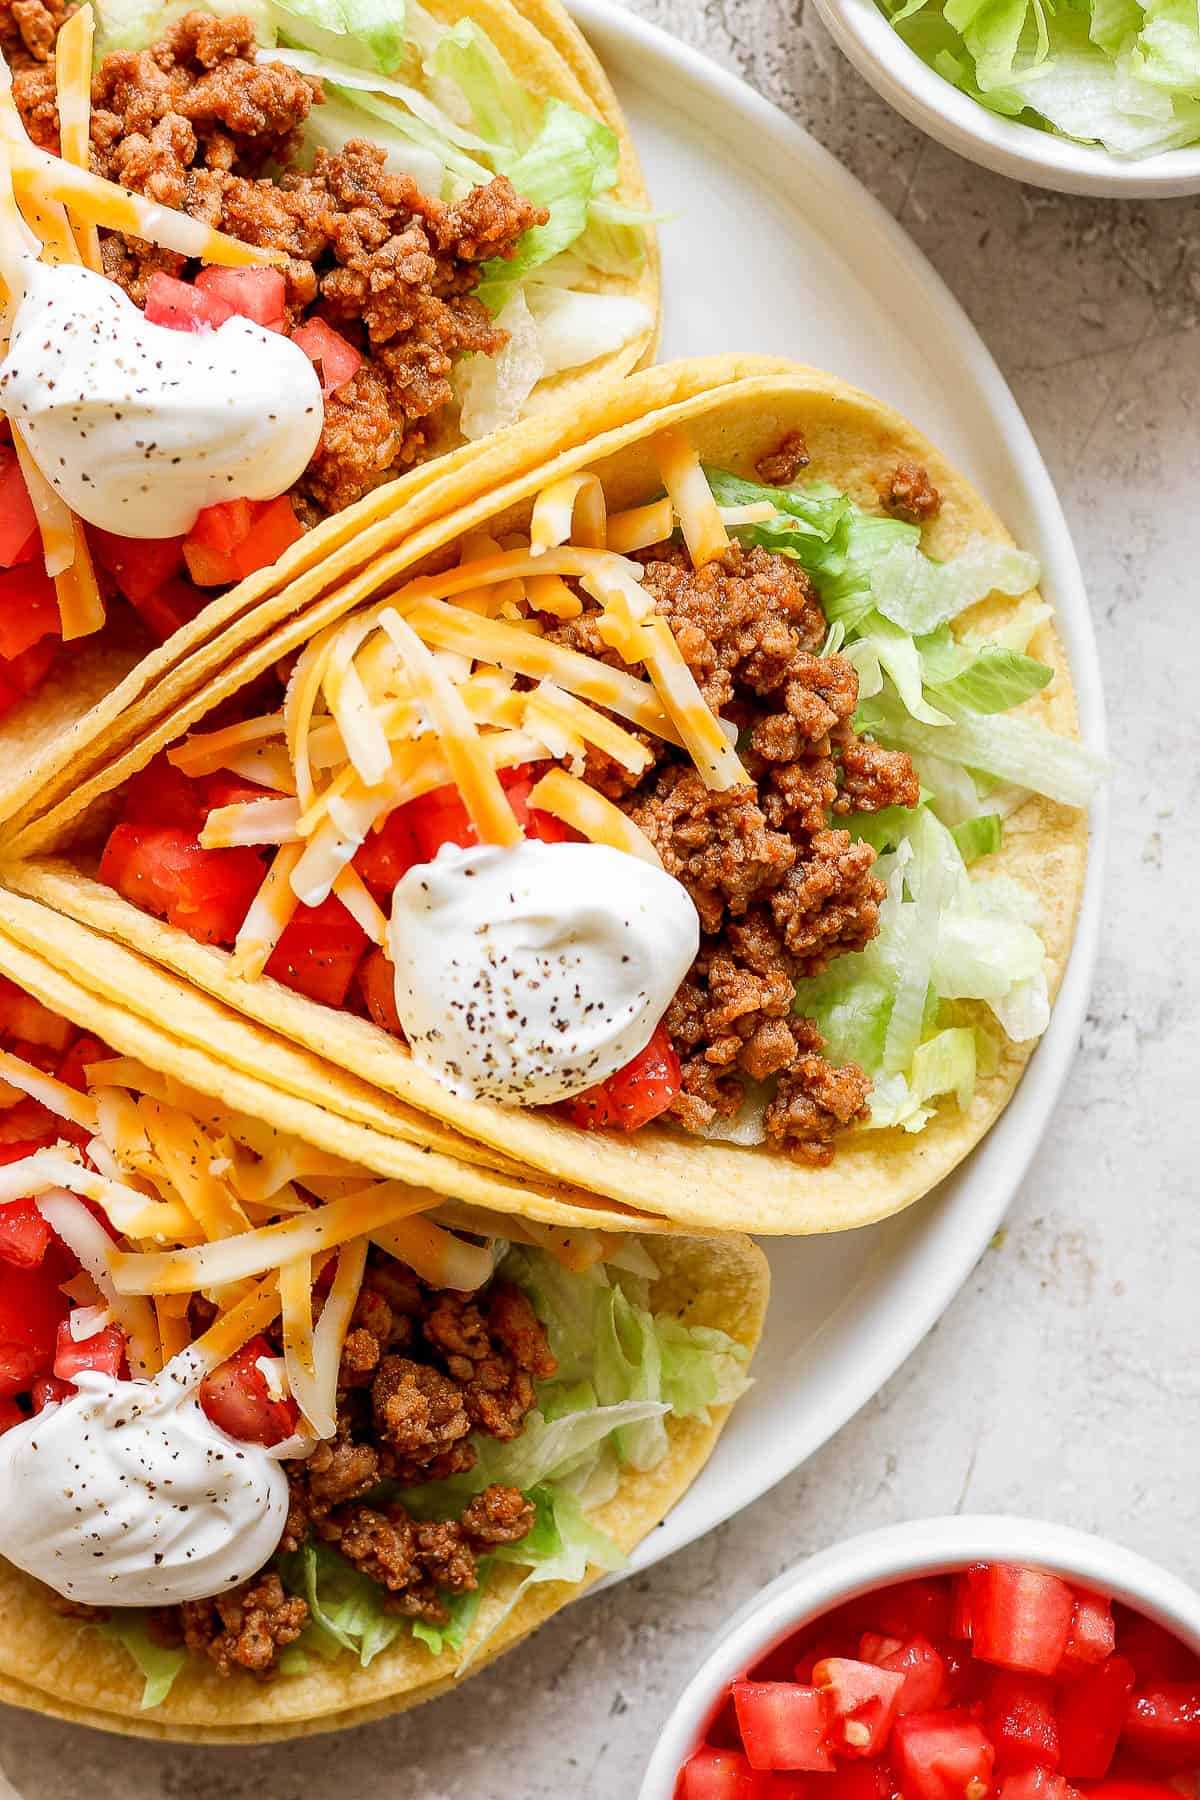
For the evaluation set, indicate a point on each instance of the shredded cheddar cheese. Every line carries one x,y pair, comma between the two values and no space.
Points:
73,91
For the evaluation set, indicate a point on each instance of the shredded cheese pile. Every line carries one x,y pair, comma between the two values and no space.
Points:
50,211
419,691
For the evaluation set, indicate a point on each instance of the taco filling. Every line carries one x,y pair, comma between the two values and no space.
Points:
667,812
242,294
307,1410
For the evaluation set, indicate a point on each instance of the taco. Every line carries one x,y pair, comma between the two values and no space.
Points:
697,820
410,234
386,1434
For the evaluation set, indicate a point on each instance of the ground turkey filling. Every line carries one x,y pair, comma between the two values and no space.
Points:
421,1370
194,122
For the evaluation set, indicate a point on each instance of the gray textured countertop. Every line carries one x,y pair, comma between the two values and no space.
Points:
1064,1379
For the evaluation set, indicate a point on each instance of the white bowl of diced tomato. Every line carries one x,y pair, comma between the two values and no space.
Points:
948,1659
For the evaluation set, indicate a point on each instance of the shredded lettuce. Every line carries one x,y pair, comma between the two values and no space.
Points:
373,29
155,1662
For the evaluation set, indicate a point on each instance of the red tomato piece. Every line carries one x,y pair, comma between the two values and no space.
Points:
28,608
716,1774
21,1016
24,1127
1037,1784
208,568
639,1092
851,1781
256,294
941,1756
25,673
161,794
10,1415
1019,1718
1156,1655
917,1662
30,1309
74,1065
163,870
378,988
275,527
1020,1618
182,307
171,607
19,537
48,1391
238,1401
439,818
862,1703
24,1234
221,527
918,1608
533,821
388,853
335,360
1092,1708
1163,1725
1129,1787
960,1604
1093,1634
783,1725
103,1351
139,566
318,951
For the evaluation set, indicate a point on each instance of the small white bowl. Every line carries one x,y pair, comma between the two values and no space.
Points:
927,99
879,1558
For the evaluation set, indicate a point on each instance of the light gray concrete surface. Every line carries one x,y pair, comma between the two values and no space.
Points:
1064,1380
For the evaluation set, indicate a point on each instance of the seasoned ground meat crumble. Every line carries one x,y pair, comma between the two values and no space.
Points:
195,123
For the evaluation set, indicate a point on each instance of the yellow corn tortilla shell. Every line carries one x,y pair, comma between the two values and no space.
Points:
103,689
854,441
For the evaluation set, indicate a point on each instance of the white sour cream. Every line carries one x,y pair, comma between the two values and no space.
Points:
529,974
127,1495
138,427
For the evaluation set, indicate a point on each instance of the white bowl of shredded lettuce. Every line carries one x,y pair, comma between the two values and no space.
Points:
1085,96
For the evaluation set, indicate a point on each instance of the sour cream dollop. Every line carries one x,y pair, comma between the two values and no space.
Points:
128,1496
528,974
137,427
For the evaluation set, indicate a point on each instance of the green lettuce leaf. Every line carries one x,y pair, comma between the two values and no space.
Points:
159,1666
370,30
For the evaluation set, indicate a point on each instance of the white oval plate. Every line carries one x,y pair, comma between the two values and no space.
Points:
773,247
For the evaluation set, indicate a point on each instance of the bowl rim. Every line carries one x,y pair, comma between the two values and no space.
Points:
1005,146
855,1566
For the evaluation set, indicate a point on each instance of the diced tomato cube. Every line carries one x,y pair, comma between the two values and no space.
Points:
639,1092
10,1414
388,853
24,1127
941,1756
238,1401
1036,1784
167,610
1163,1725
139,566
318,951
830,1644
19,537
23,1017
24,1234
1155,1653
917,1662
30,1309
1020,1618
783,1725
918,1608
222,526
104,1351
28,608
161,794
275,528
164,870
377,984
711,1773
1092,1708
83,1052
335,360
438,818
47,1390
182,307
533,821
1093,1634
960,1605
1020,1720
207,567
851,1781
256,294
862,1703
1129,1787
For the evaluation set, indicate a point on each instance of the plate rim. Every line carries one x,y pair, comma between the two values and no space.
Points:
938,1264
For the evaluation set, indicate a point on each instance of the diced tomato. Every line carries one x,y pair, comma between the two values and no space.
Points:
161,794
941,1756
1129,1787
26,673
639,1092
28,608
226,789
167,610
181,306
862,1703
533,821
851,1781
377,984
917,1662
103,1351
960,1604
256,294
802,1669
74,1065
24,1127
1020,1618
24,1234
388,853
715,1774
237,1399
318,951
783,1725
917,1608
1093,1634
1163,1725
10,1415
275,527
30,1309
1037,1784
222,526
47,1390
438,818
208,568
19,537
1092,1708
1020,1720
139,566
21,1016
163,870
335,360
1156,1655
